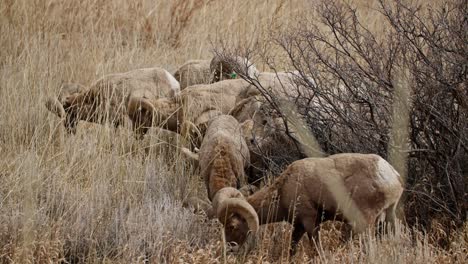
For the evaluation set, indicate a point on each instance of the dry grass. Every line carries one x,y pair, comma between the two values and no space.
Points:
100,195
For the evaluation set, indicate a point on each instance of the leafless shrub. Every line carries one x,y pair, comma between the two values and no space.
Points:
351,74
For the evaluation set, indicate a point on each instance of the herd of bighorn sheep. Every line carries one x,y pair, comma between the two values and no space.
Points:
225,118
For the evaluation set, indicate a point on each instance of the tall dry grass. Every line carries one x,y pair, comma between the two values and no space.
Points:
102,196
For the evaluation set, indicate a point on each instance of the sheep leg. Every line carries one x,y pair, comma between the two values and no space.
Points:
298,232
346,232
362,225
390,217
71,123
311,225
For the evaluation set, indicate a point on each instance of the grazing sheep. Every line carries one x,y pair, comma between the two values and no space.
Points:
224,68
108,98
194,106
201,206
255,108
270,148
354,188
283,84
193,72
71,115
223,154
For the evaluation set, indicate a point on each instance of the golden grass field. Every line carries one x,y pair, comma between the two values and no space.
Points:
101,196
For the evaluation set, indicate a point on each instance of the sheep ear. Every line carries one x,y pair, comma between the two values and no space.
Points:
247,127
53,105
190,154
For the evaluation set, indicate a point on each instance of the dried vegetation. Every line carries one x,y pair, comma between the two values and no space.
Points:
101,195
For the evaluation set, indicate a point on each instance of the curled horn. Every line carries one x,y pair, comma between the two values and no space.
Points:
239,106
80,98
230,200
54,105
136,103
146,104
134,107
75,99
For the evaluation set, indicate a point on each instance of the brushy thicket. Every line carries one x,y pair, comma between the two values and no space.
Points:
101,195
400,92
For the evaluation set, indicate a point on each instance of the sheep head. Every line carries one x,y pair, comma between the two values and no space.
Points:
141,113
226,67
255,108
269,145
65,105
145,113
193,72
166,113
236,214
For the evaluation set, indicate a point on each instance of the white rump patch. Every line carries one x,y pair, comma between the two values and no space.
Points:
175,85
386,173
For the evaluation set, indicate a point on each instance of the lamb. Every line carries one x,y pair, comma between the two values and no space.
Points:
108,98
193,72
189,111
354,188
271,149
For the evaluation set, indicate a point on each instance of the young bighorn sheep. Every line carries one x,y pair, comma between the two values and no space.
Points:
223,154
193,72
194,106
108,98
354,188
271,149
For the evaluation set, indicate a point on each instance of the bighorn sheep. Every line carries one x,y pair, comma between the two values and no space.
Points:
283,84
223,154
109,97
271,149
71,115
354,188
199,205
224,67
193,72
194,106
